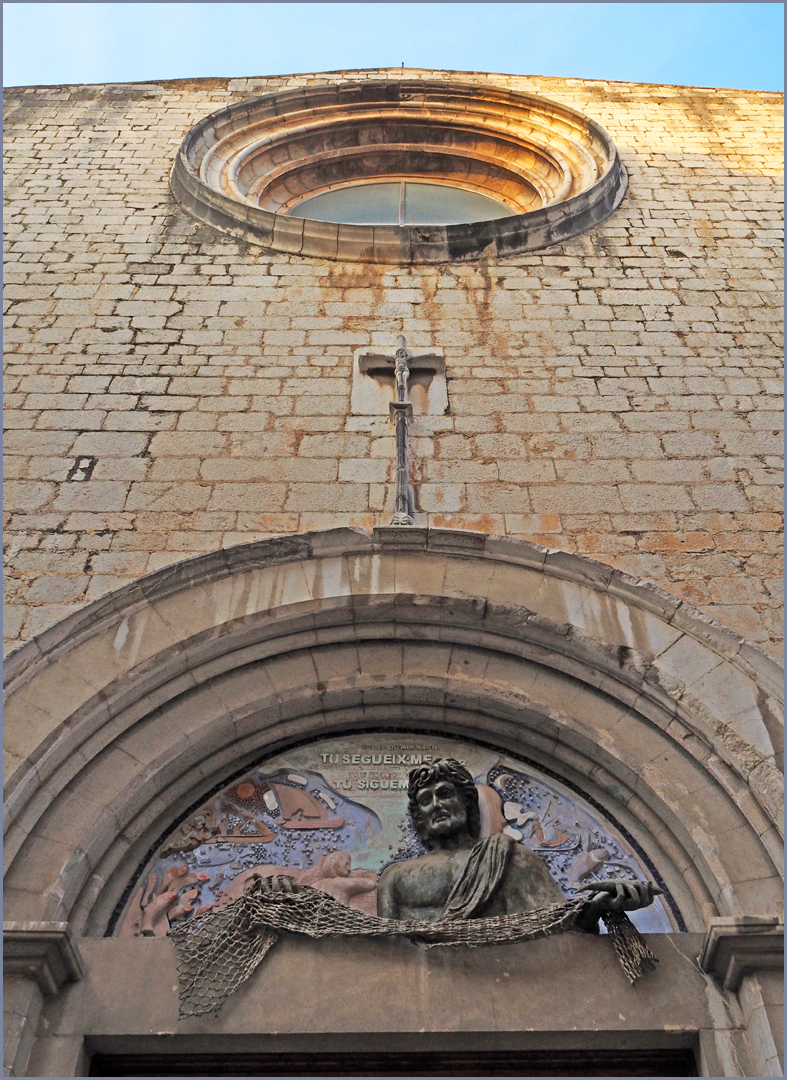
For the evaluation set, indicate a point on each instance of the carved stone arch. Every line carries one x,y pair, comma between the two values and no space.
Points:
121,717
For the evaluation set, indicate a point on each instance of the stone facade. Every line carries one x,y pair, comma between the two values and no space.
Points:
171,391
200,569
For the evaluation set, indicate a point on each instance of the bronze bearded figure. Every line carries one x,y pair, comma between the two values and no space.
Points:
464,877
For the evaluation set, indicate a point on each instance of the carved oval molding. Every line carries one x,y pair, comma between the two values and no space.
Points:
243,168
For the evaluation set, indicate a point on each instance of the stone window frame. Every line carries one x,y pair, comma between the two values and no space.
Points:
480,137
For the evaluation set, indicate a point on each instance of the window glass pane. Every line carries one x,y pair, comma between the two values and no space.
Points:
361,204
382,204
438,204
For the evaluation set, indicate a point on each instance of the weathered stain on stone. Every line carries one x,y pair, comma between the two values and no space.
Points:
608,396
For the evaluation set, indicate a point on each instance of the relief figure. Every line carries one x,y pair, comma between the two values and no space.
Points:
464,877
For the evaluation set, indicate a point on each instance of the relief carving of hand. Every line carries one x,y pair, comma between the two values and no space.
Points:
621,895
276,884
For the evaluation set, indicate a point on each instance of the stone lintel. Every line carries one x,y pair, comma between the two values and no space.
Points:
736,945
455,541
44,952
398,538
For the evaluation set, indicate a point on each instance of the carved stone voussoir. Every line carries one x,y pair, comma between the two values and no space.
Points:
739,944
44,952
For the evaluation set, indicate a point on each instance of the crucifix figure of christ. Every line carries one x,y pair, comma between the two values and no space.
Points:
423,367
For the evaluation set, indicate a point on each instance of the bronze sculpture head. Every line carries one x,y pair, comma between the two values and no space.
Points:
443,800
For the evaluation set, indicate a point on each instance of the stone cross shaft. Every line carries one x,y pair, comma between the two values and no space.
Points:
401,412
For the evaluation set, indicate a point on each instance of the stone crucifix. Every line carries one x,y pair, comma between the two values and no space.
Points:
371,380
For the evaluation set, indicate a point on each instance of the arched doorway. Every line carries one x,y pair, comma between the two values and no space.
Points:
121,718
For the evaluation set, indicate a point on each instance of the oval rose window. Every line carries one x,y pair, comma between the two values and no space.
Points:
399,172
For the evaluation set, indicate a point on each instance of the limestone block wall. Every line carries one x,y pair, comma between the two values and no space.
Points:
170,390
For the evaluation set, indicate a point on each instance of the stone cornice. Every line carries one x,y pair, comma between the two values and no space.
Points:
736,945
44,952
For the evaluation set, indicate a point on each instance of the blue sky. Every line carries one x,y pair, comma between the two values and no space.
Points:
726,45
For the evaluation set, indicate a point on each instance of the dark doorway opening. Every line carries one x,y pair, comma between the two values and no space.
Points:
677,1062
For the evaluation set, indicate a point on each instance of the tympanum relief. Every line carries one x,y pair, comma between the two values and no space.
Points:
333,815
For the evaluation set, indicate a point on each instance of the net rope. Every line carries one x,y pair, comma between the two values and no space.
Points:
219,950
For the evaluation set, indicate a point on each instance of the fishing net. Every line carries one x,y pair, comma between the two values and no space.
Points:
633,952
218,951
